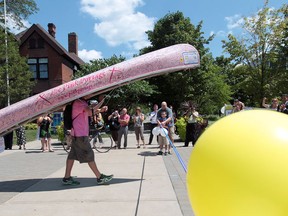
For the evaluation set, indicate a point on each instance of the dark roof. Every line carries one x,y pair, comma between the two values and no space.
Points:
23,36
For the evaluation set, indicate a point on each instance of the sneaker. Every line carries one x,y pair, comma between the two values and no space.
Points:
138,146
104,179
165,153
70,181
160,153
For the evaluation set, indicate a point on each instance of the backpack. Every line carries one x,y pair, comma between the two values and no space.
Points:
67,117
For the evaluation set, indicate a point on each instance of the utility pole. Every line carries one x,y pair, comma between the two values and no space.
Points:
6,54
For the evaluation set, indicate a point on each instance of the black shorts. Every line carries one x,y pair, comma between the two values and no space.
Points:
81,150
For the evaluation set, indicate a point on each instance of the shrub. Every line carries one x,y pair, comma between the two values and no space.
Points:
60,132
181,127
212,117
31,126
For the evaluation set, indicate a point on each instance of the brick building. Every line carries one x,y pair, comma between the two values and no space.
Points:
50,62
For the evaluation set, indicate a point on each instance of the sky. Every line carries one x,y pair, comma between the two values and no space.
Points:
108,27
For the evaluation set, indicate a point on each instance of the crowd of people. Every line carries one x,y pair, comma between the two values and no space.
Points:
119,121
276,105
86,118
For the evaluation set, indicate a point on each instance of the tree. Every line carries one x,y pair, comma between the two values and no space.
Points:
256,54
282,53
201,85
19,74
18,10
126,96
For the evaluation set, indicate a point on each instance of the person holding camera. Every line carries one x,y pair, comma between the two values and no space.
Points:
191,127
45,134
81,149
238,106
284,101
114,126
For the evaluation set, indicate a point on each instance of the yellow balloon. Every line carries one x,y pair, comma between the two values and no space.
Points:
239,166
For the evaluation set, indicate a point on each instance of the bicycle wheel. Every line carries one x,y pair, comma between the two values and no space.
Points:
103,142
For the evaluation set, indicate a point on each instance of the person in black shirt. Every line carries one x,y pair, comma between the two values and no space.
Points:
114,126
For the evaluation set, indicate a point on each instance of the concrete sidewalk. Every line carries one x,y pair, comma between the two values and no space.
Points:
31,183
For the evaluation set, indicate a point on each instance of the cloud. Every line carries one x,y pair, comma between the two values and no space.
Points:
87,55
14,28
222,33
80,43
119,23
128,54
107,9
234,22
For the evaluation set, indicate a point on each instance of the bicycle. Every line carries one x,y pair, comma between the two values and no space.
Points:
103,144
97,132
101,140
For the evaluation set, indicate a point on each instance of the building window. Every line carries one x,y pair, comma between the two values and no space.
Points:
40,42
36,44
32,43
39,67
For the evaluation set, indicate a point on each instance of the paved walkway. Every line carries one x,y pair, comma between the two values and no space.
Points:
144,184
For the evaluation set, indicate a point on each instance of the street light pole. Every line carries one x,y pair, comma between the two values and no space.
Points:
6,54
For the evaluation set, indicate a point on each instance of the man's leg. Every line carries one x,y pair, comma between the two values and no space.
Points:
120,133
68,179
94,168
101,178
151,134
187,135
115,137
193,133
69,166
160,142
125,136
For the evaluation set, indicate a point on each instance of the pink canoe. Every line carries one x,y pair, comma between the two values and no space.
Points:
174,58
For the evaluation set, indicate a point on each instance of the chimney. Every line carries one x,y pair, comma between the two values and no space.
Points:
52,29
73,43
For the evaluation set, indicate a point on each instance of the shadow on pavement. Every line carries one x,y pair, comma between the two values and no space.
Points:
148,154
53,184
33,151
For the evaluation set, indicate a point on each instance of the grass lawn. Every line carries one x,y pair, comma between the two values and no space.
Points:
31,136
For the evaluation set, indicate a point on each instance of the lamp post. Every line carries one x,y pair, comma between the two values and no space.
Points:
6,54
